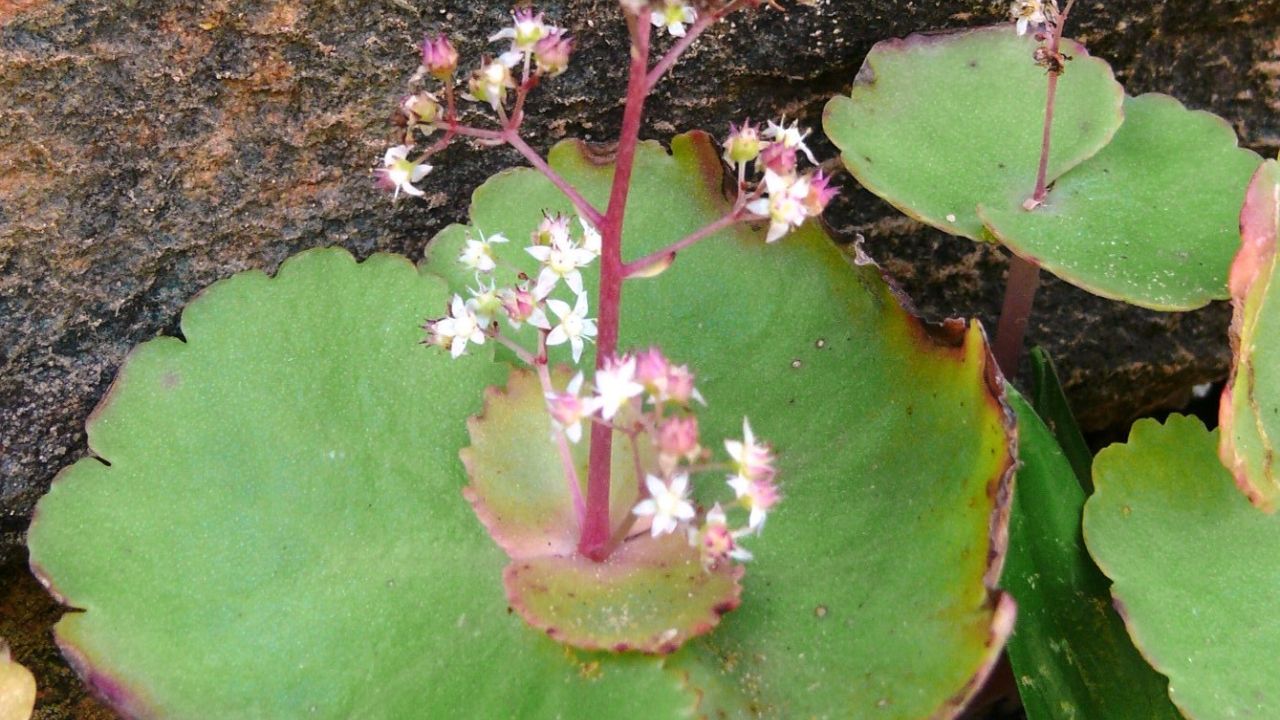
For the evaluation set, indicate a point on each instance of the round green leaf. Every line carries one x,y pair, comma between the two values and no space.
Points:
1192,566
1070,654
869,595
1151,219
280,531
937,124
1250,409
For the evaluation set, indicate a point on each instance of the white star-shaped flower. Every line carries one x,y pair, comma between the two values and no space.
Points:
398,172
668,504
784,206
674,16
462,326
574,326
569,408
1028,13
616,385
559,260
478,255
790,136
591,240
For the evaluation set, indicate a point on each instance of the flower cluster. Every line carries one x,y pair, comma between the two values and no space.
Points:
537,49
651,400
784,195
474,319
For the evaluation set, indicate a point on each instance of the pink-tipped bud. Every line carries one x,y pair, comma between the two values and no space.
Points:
519,304
680,387
552,52
439,57
820,194
678,437
743,144
651,371
779,159
420,108
716,542
567,408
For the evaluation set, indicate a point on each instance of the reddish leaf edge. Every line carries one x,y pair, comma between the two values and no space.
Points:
1259,226
108,687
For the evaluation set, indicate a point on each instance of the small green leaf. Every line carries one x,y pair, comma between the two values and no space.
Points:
1070,654
937,124
652,595
1250,410
1150,220
518,486
1193,568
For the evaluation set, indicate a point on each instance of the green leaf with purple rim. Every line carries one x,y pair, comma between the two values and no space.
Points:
937,124
280,531
1250,411
893,446
1193,568
1150,220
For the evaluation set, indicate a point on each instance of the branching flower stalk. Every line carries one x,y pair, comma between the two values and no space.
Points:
1024,275
642,396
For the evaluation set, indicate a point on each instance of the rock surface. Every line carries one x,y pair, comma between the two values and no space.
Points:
150,148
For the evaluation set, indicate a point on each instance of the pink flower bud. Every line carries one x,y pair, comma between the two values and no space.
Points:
680,385
820,194
551,53
439,57
651,371
778,158
519,304
716,542
678,437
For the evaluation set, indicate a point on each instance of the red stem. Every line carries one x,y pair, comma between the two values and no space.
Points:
580,203
562,442
1019,295
1024,275
639,266
596,531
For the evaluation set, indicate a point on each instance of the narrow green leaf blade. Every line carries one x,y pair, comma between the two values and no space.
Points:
1071,656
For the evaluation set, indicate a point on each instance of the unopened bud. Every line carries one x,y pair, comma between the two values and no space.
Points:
680,387
820,194
551,53
420,108
519,304
439,57
743,144
779,159
651,371
678,437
